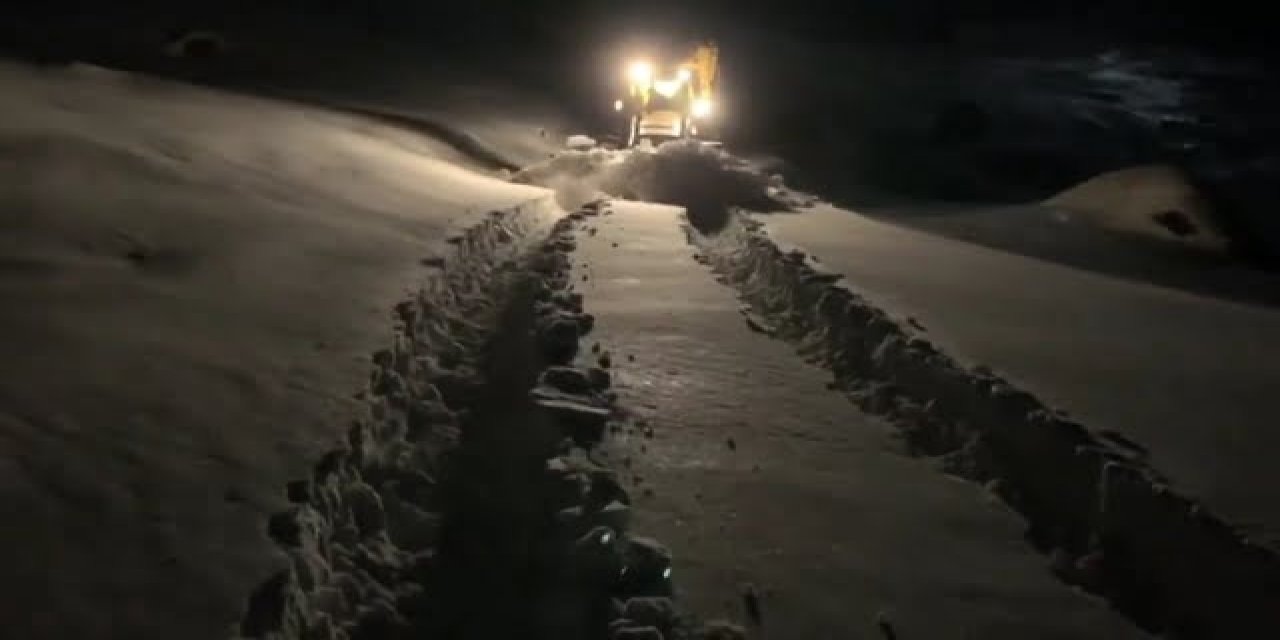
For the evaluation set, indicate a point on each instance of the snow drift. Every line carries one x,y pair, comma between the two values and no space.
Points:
705,180
1153,200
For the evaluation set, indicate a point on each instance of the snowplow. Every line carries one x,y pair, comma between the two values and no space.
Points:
673,99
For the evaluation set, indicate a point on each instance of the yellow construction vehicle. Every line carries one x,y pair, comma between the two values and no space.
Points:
666,101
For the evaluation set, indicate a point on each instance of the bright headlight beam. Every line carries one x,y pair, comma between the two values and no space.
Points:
702,108
640,71
667,88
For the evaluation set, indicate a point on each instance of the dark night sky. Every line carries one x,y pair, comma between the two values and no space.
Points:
1221,21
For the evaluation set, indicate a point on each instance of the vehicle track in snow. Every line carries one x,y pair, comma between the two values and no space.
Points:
361,538
470,505
787,508
1108,522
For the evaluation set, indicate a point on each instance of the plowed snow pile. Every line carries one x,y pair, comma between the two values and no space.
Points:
192,283
707,182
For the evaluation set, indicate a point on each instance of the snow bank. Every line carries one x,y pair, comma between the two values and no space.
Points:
705,180
490,141
1152,200
1109,520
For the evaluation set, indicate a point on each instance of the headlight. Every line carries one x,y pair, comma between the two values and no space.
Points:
702,108
640,71
617,105
666,88
684,75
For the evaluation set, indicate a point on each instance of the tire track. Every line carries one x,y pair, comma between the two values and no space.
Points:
470,504
1109,522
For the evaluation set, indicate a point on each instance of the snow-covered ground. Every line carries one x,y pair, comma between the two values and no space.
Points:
1142,224
976,352
744,462
1162,355
1188,376
192,283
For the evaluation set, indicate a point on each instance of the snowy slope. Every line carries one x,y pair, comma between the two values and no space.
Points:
1186,376
192,282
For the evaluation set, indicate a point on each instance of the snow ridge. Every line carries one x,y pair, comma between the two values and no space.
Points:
459,139
534,538
361,535
470,503
1111,524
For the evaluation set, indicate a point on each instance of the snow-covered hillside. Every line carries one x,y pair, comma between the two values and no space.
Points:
192,282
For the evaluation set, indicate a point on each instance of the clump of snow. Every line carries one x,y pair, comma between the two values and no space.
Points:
575,177
579,142
1084,494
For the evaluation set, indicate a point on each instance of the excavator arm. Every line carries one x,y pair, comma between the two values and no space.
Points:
706,67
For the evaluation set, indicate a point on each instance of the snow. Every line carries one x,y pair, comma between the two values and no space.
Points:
1180,373
751,470
1083,480
192,282
701,178
366,527
1108,520
579,142
1147,200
